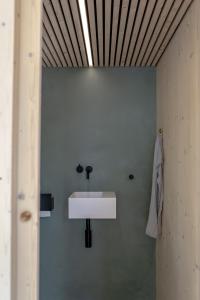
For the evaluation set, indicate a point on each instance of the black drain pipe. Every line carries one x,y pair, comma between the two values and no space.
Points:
88,235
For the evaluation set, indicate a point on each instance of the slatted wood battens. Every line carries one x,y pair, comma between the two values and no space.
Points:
122,32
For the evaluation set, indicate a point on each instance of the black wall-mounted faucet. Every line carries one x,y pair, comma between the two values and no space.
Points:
88,170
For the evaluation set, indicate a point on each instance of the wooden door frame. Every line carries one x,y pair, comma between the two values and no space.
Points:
20,80
20,92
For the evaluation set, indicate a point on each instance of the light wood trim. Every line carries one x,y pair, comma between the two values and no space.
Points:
130,24
45,60
178,113
99,4
7,200
108,6
20,75
158,27
122,32
116,10
48,43
53,37
28,82
69,21
150,30
124,12
49,55
56,28
64,30
165,28
172,30
136,29
144,27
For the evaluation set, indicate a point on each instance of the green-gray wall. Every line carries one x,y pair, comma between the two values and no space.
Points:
104,118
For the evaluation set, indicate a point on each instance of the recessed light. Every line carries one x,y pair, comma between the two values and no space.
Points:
85,30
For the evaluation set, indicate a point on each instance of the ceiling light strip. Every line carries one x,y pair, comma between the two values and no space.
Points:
85,30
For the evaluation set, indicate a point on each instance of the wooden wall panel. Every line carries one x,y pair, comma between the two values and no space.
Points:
27,135
7,202
20,75
178,114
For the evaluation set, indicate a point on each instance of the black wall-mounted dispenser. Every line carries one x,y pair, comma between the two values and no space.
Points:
46,202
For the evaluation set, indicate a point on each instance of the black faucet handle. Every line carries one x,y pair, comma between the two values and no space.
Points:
88,170
79,169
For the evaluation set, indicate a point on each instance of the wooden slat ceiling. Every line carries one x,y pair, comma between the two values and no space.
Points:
122,32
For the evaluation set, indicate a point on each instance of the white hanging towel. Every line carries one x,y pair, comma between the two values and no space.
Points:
154,225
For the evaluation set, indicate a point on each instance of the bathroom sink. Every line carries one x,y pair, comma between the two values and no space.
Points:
92,205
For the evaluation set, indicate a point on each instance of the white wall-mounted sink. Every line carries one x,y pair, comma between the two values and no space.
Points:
92,205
